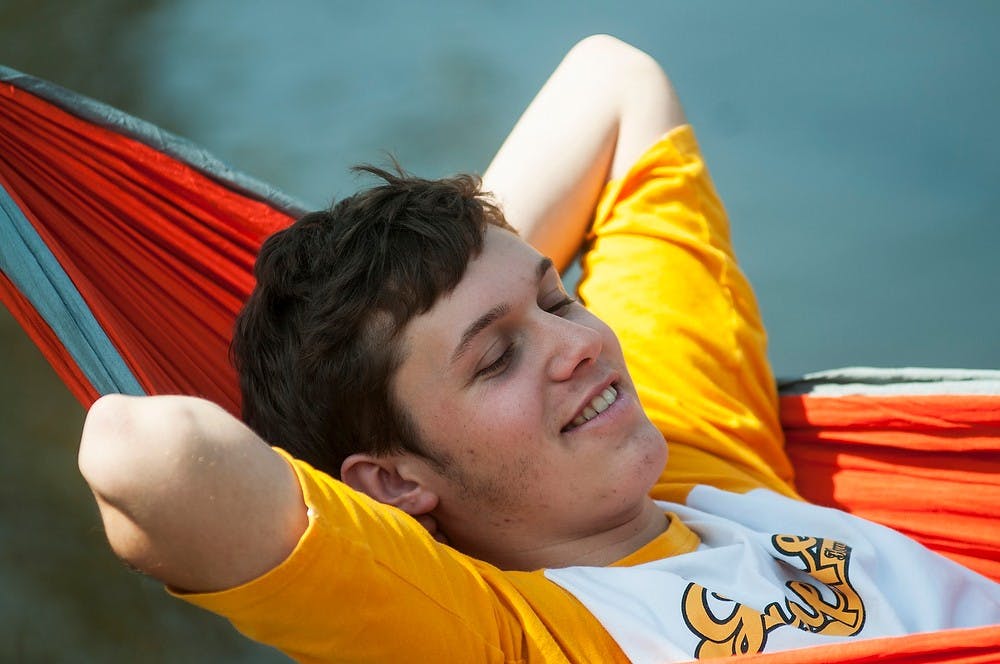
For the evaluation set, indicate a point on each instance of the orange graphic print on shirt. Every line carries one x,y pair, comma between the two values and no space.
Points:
730,628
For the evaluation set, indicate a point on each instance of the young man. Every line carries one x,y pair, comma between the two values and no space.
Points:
498,471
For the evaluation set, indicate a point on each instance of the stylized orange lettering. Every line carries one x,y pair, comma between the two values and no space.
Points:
740,632
730,628
826,561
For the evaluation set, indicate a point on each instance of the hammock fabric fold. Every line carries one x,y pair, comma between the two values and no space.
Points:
136,259
916,450
126,252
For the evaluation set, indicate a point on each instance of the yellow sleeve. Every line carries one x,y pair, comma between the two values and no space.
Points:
366,583
660,270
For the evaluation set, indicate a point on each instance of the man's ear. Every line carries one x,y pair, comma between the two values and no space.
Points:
388,480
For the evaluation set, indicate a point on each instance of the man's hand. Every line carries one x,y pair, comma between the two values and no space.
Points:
187,493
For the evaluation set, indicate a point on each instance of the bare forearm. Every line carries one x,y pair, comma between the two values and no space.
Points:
187,493
601,108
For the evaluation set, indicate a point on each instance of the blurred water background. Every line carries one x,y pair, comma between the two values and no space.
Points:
855,145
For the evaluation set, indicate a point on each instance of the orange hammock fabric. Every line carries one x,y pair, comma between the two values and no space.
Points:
126,252
161,253
955,646
925,465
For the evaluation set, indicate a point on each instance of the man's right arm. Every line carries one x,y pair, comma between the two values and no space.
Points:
192,497
187,493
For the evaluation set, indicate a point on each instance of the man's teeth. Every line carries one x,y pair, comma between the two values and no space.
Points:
597,405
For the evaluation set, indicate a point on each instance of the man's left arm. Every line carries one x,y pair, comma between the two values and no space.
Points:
605,103
606,132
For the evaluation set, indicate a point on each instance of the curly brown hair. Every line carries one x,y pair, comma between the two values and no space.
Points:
318,341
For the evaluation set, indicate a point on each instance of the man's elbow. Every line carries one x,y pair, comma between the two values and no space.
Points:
103,444
130,454
108,467
610,54
131,447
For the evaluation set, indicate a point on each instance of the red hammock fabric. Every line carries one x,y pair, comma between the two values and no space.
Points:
47,341
927,466
954,646
161,253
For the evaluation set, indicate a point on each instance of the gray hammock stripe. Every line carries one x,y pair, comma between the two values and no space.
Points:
31,267
158,139
913,381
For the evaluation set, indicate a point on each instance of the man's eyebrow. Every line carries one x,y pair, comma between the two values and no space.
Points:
477,326
491,316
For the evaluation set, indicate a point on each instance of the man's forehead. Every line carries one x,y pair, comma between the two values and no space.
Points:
490,281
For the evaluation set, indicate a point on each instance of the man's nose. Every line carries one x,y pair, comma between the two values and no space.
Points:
572,345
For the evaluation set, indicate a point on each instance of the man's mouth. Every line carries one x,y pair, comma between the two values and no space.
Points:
595,407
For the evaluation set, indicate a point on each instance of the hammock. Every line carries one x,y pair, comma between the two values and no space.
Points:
125,252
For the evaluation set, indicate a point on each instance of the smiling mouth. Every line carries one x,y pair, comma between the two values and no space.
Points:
597,405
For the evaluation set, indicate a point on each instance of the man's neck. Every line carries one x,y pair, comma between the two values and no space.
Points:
596,549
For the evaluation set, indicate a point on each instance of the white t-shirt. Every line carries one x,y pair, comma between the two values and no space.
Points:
826,577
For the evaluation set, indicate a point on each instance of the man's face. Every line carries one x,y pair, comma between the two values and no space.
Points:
504,380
